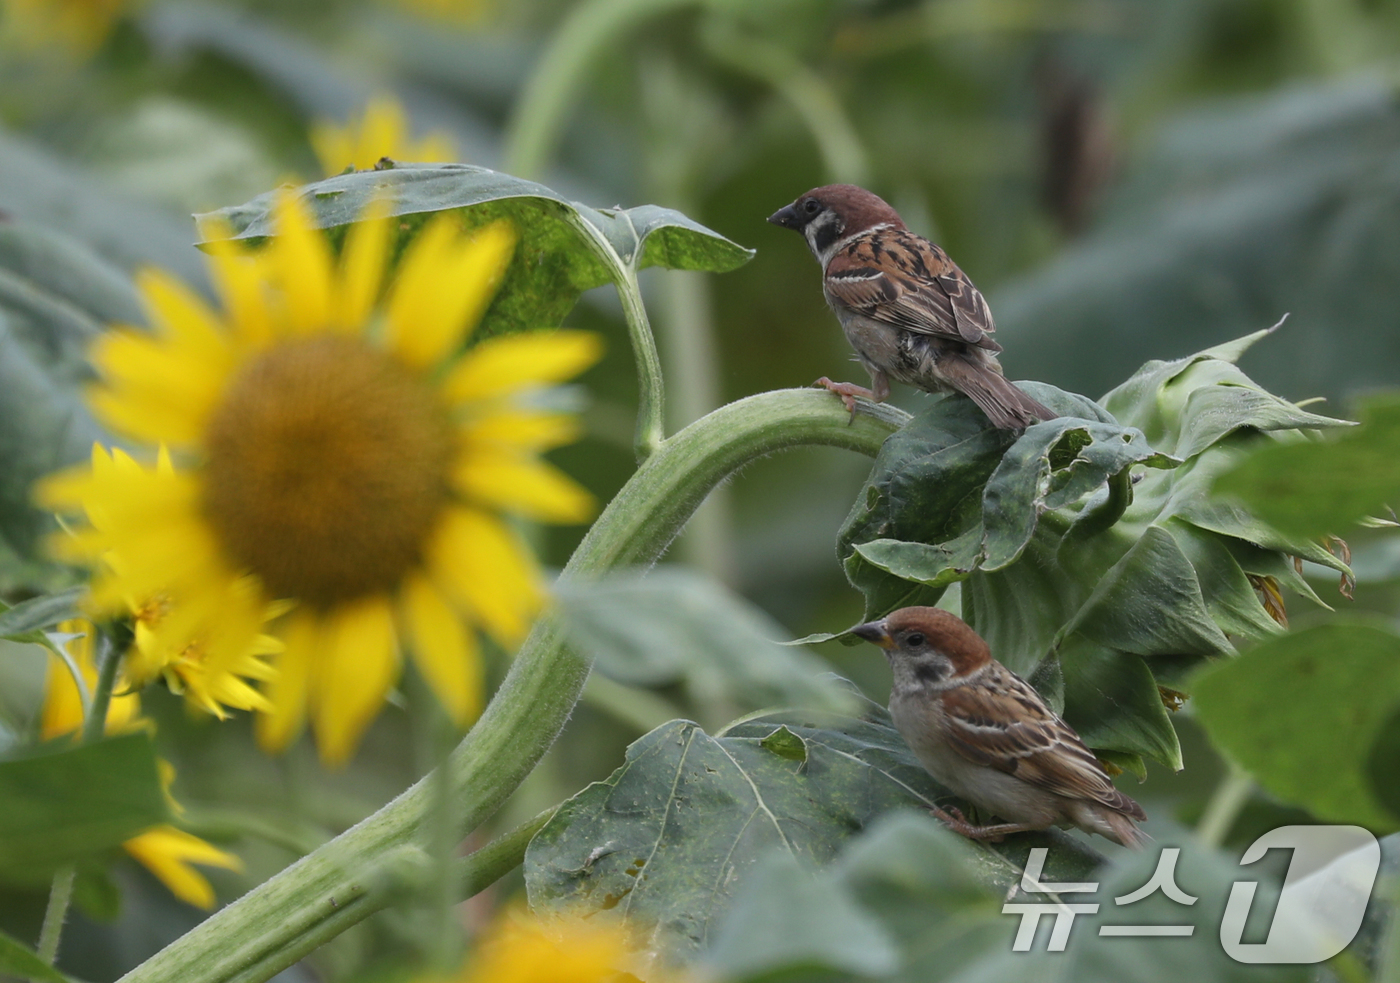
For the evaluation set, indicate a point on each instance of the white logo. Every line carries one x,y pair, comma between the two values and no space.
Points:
1329,881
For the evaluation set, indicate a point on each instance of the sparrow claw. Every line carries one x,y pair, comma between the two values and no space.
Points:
848,391
957,822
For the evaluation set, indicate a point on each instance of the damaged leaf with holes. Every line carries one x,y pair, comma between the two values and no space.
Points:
1088,549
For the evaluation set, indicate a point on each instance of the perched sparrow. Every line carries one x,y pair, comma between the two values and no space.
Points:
982,731
906,308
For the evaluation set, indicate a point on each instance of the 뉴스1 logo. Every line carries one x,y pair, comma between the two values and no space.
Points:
1319,912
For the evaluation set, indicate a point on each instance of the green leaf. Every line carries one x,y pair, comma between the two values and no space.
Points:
65,803
671,625
1312,489
22,963
38,613
668,839
1112,700
1383,764
1150,603
565,247
784,917
1301,713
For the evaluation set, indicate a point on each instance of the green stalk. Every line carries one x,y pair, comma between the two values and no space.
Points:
94,723
587,32
533,703
1225,804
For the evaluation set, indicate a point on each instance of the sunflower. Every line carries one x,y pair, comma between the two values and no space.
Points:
382,131
167,852
338,454
182,662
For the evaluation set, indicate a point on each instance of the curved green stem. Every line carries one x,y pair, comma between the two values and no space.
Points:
1226,802
536,698
557,80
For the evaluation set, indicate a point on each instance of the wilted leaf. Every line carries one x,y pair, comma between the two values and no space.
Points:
671,625
565,247
1301,712
64,803
666,841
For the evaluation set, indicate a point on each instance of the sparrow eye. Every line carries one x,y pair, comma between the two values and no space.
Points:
915,640
811,206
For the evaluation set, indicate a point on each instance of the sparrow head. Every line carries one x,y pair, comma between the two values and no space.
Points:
829,214
927,647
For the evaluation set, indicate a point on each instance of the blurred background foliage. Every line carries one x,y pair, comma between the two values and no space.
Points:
1124,179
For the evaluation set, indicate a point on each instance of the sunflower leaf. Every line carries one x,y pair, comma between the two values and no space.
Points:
565,247
64,803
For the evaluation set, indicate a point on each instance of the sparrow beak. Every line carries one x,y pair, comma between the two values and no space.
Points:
874,631
786,217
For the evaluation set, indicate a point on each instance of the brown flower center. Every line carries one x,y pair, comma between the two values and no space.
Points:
328,466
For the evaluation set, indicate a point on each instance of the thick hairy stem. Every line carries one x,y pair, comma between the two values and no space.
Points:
528,711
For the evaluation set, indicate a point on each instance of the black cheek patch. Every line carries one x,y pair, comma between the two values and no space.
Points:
827,231
928,672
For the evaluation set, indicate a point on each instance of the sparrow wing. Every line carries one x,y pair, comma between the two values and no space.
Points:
895,276
1001,722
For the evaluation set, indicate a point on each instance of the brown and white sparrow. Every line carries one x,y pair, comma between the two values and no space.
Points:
906,308
984,733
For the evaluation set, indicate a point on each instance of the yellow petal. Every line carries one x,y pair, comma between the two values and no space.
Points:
239,281
500,366
358,663
444,651
362,267
523,430
522,485
168,852
288,692
485,567
443,287
181,315
301,260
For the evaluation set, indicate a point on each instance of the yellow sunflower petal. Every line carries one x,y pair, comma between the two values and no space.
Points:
362,267
168,853
523,485
240,283
484,566
443,287
359,662
522,430
181,315
444,651
289,691
500,366
302,262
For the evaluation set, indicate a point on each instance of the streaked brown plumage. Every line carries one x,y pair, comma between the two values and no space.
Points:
985,733
907,310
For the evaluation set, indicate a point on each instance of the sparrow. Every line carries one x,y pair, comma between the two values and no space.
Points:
984,733
906,308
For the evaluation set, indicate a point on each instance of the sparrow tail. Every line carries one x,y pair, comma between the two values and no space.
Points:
1006,406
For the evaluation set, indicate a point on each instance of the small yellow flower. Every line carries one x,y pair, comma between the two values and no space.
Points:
166,851
181,660
524,949
78,25
382,131
339,453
